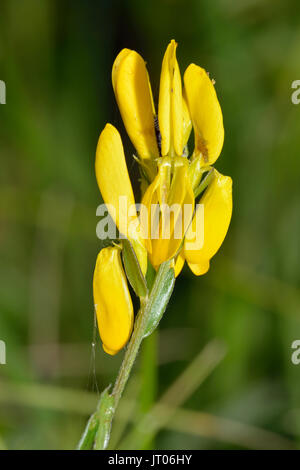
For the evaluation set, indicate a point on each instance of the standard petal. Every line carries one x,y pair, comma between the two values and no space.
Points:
199,269
205,112
112,300
149,204
134,97
170,114
115,69
207,232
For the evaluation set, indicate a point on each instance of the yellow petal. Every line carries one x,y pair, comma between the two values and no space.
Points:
112,300
170,114
179,263
205,112
199,269
202,243
187,121
116,190
115,69
112,176
175,200
134,97
150,199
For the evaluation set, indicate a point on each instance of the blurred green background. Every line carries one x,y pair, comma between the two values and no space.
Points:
56,58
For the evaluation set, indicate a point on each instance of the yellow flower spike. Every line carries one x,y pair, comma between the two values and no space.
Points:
170,112
112,300
134,97
205,112
114,182
216,204
172,194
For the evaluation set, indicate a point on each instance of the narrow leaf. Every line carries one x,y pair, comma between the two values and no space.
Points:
133,270
88,437
104,412
163,291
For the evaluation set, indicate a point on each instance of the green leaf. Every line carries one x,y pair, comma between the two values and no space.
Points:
159,296
88,437
104,413
133,269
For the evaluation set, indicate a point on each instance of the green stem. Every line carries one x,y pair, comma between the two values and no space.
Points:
141,323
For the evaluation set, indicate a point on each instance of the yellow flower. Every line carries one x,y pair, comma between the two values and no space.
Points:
170,107
168,177
112,300
202,242
171,195
134,97
114,184
206,114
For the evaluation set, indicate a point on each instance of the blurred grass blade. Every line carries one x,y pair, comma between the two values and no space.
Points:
2,444
183,387
222,429
206,425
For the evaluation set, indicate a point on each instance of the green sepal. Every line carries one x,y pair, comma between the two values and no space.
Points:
150,275
133,269
204,183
